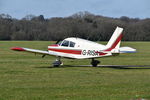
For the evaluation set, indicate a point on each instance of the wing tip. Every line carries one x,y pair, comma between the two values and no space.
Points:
17,49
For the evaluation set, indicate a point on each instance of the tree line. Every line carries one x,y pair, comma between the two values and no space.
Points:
82,24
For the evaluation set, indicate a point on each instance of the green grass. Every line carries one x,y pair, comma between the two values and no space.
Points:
24,76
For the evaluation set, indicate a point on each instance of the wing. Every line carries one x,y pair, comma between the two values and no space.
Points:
30,50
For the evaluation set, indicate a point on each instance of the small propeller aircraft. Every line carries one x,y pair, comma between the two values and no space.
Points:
77,48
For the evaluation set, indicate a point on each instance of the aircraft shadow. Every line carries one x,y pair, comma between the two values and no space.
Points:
127,66
104,66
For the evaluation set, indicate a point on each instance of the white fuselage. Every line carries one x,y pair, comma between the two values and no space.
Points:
80,50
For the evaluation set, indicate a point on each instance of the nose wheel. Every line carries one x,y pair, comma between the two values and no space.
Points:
94,63
57,63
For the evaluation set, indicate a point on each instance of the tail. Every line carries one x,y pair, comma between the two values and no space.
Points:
115,40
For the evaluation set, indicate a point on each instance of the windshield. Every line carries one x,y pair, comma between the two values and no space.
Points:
65,43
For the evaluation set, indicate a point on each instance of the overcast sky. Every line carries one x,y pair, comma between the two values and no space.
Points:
64,8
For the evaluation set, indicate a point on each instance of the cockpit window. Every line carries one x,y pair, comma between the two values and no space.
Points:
72,44
65,43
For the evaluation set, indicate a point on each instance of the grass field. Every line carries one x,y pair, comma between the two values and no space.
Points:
24,76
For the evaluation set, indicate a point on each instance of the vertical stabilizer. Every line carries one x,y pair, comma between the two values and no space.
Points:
115,39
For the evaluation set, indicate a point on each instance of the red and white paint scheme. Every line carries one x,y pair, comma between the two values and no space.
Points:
77,48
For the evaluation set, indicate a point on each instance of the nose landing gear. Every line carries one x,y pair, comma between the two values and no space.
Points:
57,62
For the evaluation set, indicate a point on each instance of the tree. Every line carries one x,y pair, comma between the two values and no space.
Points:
83,24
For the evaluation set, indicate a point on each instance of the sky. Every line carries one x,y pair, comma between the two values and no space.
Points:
63,8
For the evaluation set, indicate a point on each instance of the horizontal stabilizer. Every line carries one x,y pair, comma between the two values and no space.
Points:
127,50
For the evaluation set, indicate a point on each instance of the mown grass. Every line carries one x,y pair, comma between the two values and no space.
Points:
24,76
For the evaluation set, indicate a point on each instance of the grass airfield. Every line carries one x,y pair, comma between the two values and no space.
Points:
24,76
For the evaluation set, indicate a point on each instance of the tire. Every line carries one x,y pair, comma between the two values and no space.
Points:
57,63
94,63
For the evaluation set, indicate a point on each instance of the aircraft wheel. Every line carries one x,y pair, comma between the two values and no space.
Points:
95,63
57,63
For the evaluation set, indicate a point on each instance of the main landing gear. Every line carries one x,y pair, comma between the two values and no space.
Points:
57,62
94,63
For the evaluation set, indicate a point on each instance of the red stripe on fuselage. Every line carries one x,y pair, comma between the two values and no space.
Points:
115,43
78,52
101,53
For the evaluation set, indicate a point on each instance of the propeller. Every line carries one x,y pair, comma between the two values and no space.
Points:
57,41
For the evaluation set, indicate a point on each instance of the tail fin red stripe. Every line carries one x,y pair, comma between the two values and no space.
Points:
115,43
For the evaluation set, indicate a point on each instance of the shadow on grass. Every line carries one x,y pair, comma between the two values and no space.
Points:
127,66
103,66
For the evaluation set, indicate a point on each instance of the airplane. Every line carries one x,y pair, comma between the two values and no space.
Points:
77,48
